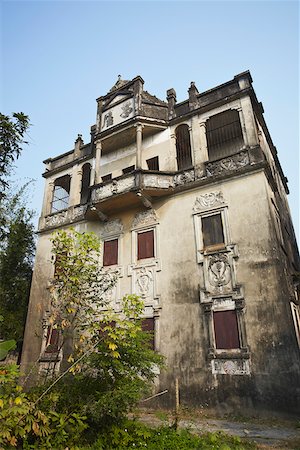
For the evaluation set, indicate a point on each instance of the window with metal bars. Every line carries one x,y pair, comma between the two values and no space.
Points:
226,330
183,147
110,252
152,163
61,193
145,244
52,340
85,183
224,134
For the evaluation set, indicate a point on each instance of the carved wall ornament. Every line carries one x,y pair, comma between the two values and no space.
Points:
230,367
209,200
144,280
228,164
145,218
113,227
219,273
114,187
56,219
108,120
126,110
79,211
183,178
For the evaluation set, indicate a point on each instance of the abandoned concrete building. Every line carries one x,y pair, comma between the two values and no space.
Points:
190,201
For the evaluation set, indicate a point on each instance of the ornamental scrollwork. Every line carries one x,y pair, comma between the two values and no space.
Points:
145,218
229,164
219,273
209,200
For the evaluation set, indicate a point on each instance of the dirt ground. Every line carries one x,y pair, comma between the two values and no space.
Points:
267,432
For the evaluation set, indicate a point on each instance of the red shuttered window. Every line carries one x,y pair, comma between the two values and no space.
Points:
226,329
148,326
110,252
52,340
146,244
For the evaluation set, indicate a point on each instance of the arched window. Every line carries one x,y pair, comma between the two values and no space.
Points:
183,147
85,183
61,193
224,134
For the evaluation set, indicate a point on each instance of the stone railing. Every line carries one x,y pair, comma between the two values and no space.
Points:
70,215
228,164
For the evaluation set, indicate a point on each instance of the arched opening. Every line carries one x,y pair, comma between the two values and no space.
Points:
61,193
85,183
224,134
183,147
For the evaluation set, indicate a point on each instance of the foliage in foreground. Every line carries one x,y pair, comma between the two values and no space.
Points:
24,425
135,435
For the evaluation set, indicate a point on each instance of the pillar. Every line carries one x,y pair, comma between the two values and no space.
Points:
139,131
97,178
249,121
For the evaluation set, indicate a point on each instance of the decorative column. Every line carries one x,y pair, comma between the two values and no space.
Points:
97,178
249,121
203,142
48,198
172,161
139,132
243,126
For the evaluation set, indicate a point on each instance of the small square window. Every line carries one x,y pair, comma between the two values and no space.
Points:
152,163
107,177
110,252
128,169
52,340
146,244
212,231
226,330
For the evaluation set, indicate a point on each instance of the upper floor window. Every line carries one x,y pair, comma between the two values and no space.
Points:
224,134
110,252
152,163
61,193
147,326
107,177
212,231
85,183
128,169
145,244
183,147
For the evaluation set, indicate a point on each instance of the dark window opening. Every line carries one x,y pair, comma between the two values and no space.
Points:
224,134
110,252
183,147
52,340
152,163
85,183
128,169
146,244
226,329
107,177
61,193
148,327
212,231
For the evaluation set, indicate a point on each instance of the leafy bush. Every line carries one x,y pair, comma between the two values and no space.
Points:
23,424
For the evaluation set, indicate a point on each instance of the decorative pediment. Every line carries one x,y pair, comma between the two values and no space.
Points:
117,98
209,200
117,113
145,218
113,227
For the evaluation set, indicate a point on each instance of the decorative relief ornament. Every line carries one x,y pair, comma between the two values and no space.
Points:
108,120
219,273
228,164
208,200
127,110
114,187
230,367
144,280
113,227
56,219
183,178
145,218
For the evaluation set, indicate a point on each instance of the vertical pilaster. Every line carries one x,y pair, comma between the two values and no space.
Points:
48,198
249,120
139,137
243,125
172,160
97,178
203,142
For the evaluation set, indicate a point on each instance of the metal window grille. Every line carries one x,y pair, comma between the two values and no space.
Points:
183,147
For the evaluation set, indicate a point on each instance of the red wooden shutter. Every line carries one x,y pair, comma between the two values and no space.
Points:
226,329
148,326
110,252
146,244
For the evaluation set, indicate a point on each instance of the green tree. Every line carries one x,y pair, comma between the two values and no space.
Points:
115,363
16,260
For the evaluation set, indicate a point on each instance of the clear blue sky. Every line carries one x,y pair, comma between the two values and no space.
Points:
57,57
